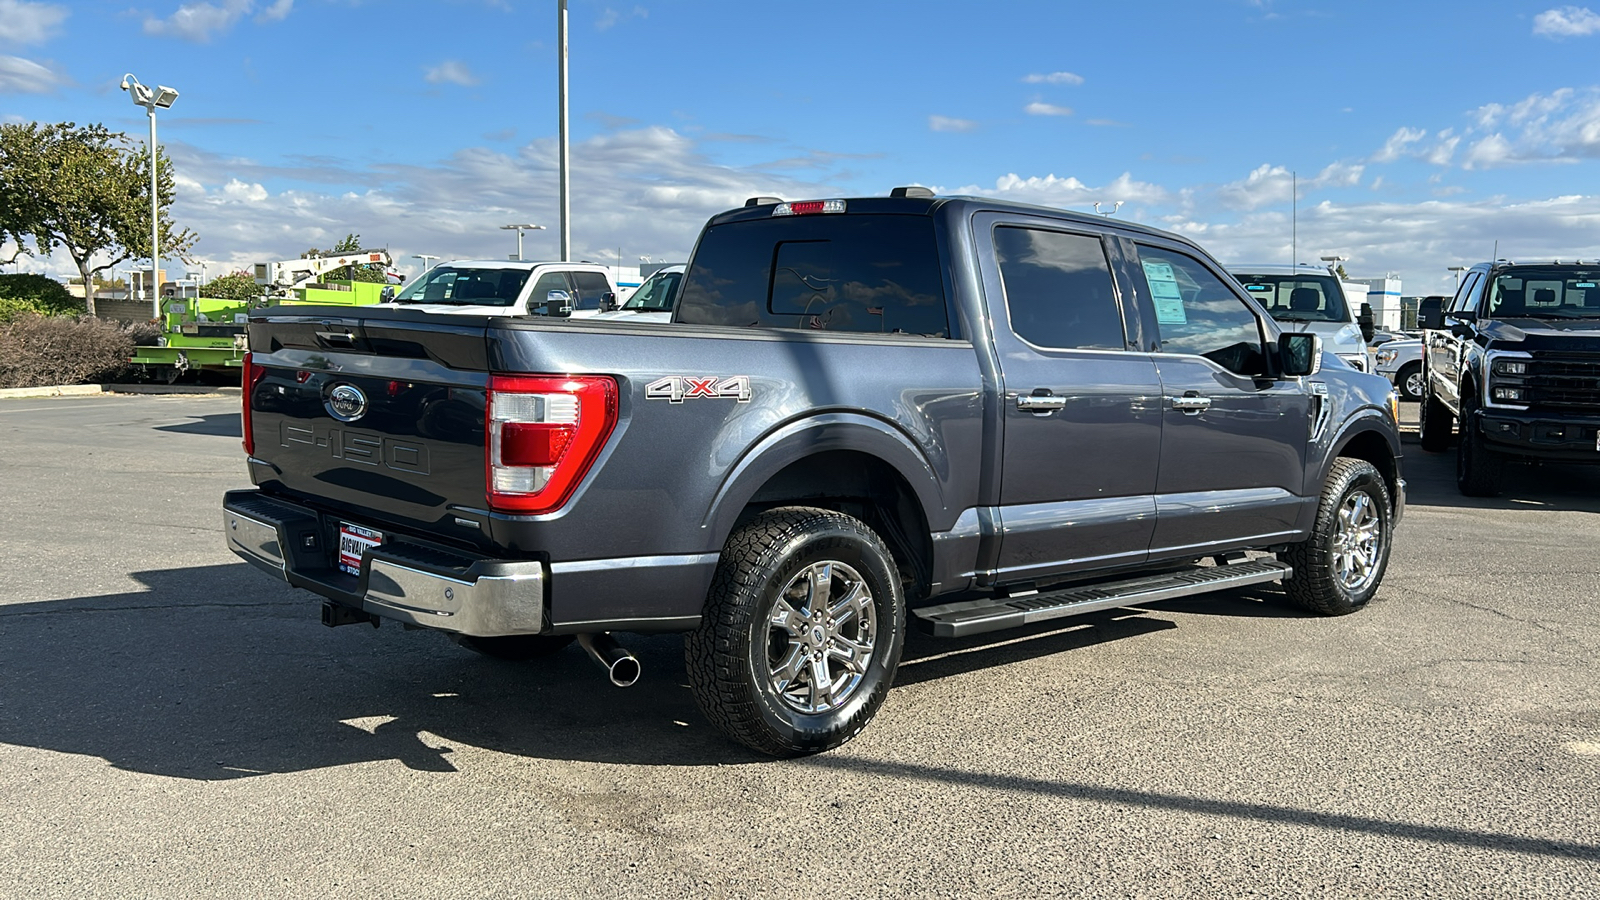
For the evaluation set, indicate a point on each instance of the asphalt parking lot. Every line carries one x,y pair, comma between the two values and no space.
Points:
173,723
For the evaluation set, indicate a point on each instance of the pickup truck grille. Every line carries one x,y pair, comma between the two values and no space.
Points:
1564,381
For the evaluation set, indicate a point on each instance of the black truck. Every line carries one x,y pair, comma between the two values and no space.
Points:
1514,357
949,413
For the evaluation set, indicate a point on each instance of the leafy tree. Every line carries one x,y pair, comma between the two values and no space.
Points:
350,243
239,286
84,190
37,294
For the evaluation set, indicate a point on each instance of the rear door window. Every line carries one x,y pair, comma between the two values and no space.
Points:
1059,292
837,272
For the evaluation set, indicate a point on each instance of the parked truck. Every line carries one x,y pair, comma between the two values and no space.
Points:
956,414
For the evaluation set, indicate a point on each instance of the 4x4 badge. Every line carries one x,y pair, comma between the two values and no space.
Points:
678,388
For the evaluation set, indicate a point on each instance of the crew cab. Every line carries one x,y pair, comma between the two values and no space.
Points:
652,301
510,288
1514,357
950,413
1312,298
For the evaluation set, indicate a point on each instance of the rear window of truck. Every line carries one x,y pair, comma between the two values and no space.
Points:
840,272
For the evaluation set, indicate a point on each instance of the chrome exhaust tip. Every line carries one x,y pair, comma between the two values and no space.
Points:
621,666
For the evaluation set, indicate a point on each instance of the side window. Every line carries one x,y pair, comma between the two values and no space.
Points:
549,281
1058,289
1465,298
1198,314
591,285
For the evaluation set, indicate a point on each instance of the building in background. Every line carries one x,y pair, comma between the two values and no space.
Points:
1384,295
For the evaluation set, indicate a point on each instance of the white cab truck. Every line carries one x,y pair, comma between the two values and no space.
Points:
652,301
1313,299
481,287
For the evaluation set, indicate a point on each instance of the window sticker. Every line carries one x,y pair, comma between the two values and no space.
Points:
1164,292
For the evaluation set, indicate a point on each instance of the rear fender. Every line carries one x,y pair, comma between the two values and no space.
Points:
822,433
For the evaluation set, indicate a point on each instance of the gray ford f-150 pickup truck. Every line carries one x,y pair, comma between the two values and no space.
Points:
952,413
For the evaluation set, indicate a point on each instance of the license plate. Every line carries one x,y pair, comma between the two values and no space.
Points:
354,541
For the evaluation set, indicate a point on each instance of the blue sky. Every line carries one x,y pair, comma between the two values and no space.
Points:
1420,133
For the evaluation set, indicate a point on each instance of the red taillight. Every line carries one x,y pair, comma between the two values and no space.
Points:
808,207
248,379
543,434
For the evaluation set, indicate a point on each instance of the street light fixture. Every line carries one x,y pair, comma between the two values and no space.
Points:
160,97
519,229
1333,262
425,264
1457,270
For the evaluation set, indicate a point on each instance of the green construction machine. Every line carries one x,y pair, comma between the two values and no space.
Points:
207,334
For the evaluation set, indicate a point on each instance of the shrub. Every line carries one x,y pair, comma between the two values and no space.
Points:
239,286
20,293
36,350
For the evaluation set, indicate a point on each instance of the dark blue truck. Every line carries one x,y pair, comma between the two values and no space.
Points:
867,414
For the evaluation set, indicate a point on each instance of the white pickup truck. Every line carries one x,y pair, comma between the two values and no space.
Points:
1311,298
1401,363
511,288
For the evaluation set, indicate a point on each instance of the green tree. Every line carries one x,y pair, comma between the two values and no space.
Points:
83,190
351,243
240,286
35,293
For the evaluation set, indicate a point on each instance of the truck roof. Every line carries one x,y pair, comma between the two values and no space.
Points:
1277,269
529,264
927,205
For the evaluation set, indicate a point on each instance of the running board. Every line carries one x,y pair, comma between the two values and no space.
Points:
999,613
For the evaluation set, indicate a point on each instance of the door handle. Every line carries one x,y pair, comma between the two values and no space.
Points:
1191,404
1040,402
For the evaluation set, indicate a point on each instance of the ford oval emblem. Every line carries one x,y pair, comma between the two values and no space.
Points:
347,403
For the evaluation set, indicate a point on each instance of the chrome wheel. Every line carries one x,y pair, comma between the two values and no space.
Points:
1357,542
820,636
1412,386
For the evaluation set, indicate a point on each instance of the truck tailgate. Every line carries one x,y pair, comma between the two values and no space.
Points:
380,414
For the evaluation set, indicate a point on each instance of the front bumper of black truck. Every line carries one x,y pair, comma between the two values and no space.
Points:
407,582
1533,435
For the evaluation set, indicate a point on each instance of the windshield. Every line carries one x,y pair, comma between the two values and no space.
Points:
1298,298
479,287
1546,292
656,294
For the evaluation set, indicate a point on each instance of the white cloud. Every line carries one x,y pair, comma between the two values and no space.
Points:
1069,192
1038,108
277,12
199,22
24,76
22,22
1399,144
450,72
946,123
610,17
1054,78
1566,21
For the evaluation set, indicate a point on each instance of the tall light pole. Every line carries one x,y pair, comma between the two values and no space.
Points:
425,257
561,91
161,97
519,229
1457,270
1333,262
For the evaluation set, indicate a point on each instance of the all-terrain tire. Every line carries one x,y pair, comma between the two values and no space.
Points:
1437,425
516,647
1339,567
739,656
1479,470
1410,381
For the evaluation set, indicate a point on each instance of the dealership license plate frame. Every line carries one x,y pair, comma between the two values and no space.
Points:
355,540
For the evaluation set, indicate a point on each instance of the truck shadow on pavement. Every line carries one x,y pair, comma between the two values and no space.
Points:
1431,481
216,425
212,674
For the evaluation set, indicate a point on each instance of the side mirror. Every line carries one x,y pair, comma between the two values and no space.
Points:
1368,326
558,303
608,301
1430,313
1299,354
387,294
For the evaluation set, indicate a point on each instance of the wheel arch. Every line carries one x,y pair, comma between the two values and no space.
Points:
1365,440
849,463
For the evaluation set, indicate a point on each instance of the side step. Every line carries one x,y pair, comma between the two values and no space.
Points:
999,613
